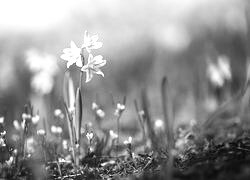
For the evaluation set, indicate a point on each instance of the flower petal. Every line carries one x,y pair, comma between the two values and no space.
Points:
79,62
89,75
99,72
96,45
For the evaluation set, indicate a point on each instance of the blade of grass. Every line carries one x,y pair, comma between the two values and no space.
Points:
169,120
151,133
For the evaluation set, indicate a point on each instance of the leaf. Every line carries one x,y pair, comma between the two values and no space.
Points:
167,112
68,91
78,114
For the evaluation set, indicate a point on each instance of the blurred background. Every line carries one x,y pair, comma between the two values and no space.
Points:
142,42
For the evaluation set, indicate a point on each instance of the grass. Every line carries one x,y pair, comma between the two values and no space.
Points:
219,148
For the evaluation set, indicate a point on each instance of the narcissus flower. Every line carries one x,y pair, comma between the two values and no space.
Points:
90,42
93,66
72,55
128,141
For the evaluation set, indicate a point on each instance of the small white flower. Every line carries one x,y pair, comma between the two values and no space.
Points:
113,135
159,124
26,116
94,106
65,144
128,141
30,142
72,55
3,133
10,161
16,125
120,106
90,135
100,113
224,65
1,120
35,119
90,42
2,142
57,112
93,66
41,132
56,129
119,109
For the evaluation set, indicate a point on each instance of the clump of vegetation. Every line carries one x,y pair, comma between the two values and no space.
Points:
219,148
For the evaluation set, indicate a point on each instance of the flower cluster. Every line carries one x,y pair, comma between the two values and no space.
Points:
74,55
220,72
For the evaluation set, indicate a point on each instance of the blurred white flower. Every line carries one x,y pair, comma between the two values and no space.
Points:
128,141
90,42
30,145
1,120
72,55
94,106
59,113
42,83
65,144
38,62
90,135
100,113
214,75
16,125
56,129
2,142
35,119
93,66
10,161
44,67
119,109
220,72
26,116
41,132
113,135
159,124
224,66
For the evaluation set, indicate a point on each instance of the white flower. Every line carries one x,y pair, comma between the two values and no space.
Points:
72,55
94,106
41,132
57,112
16,125
38,62
93,66
220,72
224,65
56,129
10,161
129,141
113,135
1,120
35,119
159,124
90,42
120,107
100,113
90,136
